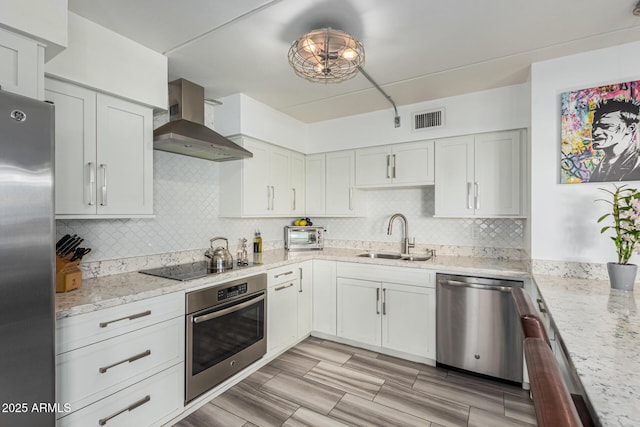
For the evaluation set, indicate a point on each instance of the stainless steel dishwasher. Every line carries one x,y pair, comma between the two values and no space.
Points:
477,326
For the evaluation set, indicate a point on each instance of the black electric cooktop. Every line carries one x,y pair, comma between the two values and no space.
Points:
189,271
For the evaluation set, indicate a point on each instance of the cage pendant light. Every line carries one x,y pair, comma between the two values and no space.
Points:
326,55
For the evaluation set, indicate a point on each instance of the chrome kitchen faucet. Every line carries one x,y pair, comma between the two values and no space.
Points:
407,243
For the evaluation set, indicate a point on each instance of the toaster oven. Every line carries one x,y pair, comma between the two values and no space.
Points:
303,238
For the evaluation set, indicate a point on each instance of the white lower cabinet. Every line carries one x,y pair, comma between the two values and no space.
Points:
146,403
282,315
289,308
389,307
324,296
122,365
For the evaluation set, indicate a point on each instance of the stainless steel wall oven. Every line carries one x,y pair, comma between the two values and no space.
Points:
225,332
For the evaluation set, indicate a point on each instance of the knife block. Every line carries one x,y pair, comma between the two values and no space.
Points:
68,275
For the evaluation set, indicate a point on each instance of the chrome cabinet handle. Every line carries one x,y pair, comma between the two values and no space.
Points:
394,167
129,408
283,274
294,199
469,205
92,183
268,197
300,274
540,306
133,316
388,165
273,196
477,194
279,288
377,300
104,184
384,301
131,359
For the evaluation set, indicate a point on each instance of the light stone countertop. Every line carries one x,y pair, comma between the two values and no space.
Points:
108,291
600,329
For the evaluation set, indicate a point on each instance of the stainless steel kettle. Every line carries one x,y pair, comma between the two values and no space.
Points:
221,259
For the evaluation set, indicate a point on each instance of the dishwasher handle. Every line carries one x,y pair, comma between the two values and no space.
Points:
459,283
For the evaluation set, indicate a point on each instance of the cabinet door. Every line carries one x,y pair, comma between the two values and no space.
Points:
297,184
340,195
305,299
280,181
373,166
124,157
75,142
498,174
256,189
324,296
315,184
359,310
413,163
409,319
454,177
20,65
282,315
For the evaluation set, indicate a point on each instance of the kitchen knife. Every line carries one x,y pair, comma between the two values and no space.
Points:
73,247
62,240
66,245
79,253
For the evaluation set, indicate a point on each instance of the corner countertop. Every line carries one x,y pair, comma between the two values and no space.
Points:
109,291
600,329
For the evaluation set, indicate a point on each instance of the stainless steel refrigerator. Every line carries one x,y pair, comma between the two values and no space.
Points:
27,287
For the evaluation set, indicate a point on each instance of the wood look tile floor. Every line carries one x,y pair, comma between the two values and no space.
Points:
322,383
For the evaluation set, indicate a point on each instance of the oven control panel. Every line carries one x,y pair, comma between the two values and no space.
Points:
232,291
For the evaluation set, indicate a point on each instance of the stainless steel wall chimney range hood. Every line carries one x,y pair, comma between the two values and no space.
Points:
186,133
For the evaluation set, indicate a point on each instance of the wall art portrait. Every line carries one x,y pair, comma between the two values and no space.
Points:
600,138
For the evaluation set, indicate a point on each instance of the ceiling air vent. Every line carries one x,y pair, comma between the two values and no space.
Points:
428,119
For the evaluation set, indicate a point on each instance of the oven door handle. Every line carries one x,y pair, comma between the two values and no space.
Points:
228,310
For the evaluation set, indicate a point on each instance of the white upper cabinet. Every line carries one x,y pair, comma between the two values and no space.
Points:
298,184
271,183
315,184
408,164
104,154
21,65
330,184
480,176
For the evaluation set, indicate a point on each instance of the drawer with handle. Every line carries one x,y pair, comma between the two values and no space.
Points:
85,329
287,273
92,372
149,402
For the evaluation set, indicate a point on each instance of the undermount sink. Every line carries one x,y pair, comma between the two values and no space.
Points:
383,256
396,256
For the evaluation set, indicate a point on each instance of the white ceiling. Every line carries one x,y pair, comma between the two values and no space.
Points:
417,50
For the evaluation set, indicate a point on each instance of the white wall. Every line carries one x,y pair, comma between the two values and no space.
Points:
563,216
104,60
486,111
240,114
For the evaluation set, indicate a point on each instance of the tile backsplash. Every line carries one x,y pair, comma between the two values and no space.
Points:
186,216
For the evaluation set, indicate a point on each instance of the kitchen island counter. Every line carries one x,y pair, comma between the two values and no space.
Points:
599,329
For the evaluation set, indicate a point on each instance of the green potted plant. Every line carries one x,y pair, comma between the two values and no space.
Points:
625,203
